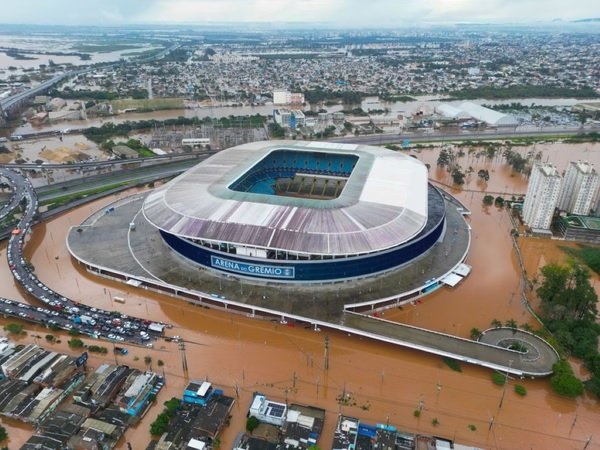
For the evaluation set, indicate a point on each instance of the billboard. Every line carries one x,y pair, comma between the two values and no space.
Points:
256,270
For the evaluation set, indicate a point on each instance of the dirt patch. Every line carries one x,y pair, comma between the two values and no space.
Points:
81,146
538,252
5,158
64,154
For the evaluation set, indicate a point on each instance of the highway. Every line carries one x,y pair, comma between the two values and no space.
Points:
109,163
59,311
9,102
439,136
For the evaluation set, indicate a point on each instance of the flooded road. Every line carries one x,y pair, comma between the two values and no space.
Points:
385,383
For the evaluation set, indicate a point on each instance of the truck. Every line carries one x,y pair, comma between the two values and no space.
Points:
87,320
156,328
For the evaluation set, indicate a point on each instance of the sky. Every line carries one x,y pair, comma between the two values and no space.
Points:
355,13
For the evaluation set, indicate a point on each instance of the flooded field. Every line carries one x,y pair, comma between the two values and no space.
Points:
385,383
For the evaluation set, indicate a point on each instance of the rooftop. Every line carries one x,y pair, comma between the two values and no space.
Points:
383,203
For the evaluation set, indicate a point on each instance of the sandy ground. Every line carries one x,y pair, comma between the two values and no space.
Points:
386,382
53,150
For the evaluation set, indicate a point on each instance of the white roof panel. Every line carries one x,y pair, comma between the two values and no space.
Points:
452,279
383,203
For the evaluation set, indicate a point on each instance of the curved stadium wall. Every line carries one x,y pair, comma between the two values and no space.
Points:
318,270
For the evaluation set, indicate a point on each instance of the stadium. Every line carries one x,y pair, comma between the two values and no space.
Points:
300,212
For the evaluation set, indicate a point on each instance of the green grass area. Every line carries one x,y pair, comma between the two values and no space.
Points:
144,105
524,91
65,199
590,256
104,48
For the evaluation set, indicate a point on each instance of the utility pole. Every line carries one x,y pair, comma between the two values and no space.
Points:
326,361
184,364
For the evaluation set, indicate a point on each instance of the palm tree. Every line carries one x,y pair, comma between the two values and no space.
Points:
512,324
475,334
148,361
496,323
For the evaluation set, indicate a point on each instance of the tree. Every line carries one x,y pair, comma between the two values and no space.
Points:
276,130
566,293
512,324
251,424
484,175
75,343
445,158
499,201
520,390
496,323
171,406
488,200
475,334
3,433
458,176
160,363
13,328
160,425
147,360
564,382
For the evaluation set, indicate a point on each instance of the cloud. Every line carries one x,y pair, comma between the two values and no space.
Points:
72,12
371,13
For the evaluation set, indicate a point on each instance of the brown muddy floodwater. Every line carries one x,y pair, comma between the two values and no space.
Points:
385,382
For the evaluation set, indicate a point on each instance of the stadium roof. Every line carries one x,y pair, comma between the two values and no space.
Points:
383,204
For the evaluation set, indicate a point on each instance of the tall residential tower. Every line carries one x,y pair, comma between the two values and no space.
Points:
578,188
542,196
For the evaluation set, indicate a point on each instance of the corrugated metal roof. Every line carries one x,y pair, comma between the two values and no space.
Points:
383,204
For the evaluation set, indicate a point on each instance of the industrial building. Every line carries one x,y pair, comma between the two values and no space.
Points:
289,118
470,110
579,188
199,392
283,97
580,228
542,196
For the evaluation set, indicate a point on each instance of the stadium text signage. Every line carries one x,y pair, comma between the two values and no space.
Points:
258,270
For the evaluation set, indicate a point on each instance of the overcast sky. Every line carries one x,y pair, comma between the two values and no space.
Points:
339,12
